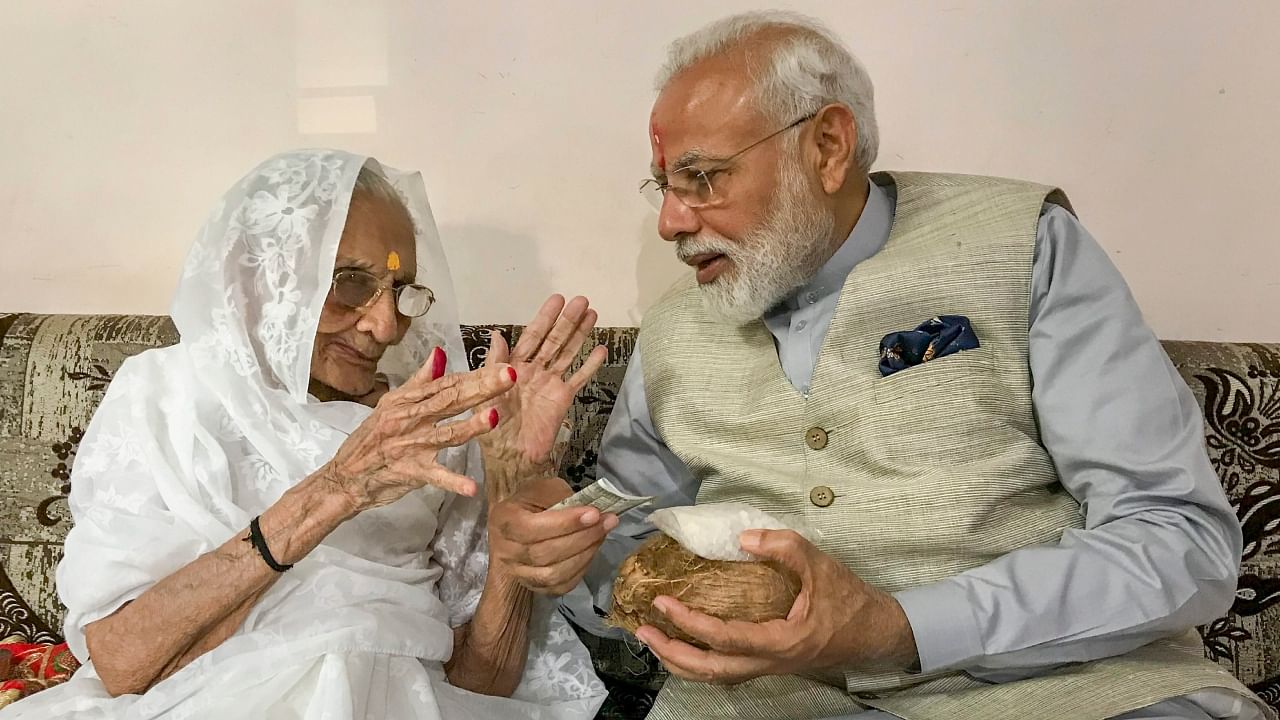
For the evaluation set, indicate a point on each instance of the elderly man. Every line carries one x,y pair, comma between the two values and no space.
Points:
947,378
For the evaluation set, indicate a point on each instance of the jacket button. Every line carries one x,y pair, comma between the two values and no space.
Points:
816,438
822,496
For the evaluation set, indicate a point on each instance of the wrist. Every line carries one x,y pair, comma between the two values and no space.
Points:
505,475
898,648
296,523
503,596
875,634
330,491
500,581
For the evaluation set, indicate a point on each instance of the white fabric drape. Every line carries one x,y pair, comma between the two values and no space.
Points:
193,440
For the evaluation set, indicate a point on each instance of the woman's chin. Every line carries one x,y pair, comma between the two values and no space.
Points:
352,386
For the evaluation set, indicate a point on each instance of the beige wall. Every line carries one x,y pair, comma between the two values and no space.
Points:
124,120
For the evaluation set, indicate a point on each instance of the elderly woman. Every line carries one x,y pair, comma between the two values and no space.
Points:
284,514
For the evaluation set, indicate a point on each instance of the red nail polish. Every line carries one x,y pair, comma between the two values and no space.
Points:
438,359
493,418
511,373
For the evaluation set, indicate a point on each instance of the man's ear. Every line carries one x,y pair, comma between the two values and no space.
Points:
835,136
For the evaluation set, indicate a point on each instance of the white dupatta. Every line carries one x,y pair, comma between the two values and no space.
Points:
193,440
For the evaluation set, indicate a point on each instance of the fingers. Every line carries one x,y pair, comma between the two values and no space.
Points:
534,527
567,351
590,366
453,394
574,344
498,350
699,665
536,331
549,553
560,577
452,434
432,369
451,481
556,342
413,388
787,547
734,637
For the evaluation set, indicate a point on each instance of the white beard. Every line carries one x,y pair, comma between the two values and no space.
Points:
770,262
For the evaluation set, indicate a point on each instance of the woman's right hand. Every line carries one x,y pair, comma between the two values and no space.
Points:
394,450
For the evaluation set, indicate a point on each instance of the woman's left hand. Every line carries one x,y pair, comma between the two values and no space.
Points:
533,411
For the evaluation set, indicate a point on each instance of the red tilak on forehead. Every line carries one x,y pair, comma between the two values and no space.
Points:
657,145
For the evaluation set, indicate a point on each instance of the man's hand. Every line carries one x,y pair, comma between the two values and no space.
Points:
837,621
546,551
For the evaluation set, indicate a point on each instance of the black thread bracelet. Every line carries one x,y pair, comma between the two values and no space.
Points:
260,544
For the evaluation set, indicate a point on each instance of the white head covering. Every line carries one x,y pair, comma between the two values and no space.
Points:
255,282
192,441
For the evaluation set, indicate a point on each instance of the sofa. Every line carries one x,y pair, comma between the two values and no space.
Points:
55,368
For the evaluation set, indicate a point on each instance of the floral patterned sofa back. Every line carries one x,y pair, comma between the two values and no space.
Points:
54,369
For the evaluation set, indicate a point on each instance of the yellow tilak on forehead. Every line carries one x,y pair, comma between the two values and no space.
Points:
393,261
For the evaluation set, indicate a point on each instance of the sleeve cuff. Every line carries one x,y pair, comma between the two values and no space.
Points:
942,621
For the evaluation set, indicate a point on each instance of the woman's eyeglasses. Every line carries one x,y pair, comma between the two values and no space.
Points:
358,289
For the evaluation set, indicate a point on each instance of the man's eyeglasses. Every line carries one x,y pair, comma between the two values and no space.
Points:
358,289
693,186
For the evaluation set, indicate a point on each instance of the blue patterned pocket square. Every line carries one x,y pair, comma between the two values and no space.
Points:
935,338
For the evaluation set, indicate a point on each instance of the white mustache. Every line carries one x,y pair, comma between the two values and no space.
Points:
692,247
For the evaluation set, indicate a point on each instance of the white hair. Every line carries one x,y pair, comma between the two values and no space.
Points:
805,68
371,183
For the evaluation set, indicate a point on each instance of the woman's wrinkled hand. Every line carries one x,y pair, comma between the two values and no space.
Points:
394,451
534,411
546,551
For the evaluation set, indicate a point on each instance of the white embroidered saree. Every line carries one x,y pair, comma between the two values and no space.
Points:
194,440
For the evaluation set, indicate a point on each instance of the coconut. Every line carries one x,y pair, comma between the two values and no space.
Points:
750,591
